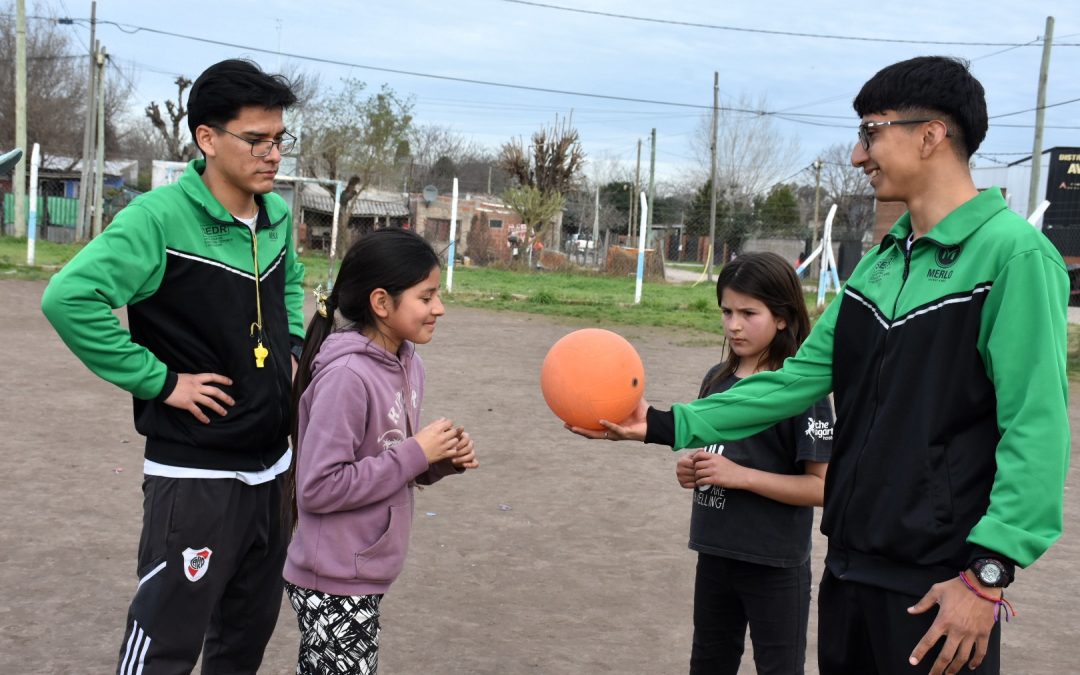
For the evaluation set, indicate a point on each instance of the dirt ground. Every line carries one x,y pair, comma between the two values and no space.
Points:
557,556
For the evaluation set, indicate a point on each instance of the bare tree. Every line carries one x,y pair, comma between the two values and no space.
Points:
140,140
357,138
351,135
847,187
550,165
56,77
178,147
438,154
751,155
430,142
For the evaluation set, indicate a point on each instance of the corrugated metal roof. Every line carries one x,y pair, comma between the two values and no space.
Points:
317,198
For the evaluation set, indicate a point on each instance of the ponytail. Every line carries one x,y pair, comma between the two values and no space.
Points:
320,326
392,259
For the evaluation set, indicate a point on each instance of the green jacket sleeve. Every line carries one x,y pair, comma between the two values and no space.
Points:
1023,344
123,265
760,401
294,287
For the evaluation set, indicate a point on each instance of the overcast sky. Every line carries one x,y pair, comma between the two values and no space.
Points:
809,80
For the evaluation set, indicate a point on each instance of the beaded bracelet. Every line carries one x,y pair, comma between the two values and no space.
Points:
1000,603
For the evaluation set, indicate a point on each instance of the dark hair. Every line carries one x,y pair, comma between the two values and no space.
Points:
932,85
392,259
772,280
224,88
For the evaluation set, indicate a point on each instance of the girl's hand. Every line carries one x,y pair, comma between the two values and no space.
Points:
713,469
684,470
466,451
438,440
630,429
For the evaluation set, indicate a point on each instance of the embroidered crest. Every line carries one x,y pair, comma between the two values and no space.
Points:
196,563
946,257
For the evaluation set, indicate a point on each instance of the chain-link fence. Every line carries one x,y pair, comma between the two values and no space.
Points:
58,207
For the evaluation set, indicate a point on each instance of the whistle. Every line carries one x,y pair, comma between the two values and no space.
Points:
260,355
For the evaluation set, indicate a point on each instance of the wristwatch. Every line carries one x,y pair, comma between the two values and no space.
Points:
991,572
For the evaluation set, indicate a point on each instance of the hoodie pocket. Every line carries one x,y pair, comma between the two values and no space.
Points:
383,560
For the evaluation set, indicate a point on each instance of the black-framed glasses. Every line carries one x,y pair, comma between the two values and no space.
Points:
865,127
262,148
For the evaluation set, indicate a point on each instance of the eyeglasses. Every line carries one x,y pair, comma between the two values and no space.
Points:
262,148
865,127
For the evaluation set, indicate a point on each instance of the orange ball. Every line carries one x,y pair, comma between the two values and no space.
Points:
590,375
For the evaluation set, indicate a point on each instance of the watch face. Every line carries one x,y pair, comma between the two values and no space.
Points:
990,574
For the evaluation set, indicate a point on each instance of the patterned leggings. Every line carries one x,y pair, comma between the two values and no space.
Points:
338,633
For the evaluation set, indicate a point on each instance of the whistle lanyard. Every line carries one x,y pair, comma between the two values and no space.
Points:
261,352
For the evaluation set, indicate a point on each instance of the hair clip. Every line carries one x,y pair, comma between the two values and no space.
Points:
321,295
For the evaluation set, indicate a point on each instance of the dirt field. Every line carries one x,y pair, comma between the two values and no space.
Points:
557,556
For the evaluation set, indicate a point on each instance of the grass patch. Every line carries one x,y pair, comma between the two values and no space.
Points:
589,297
48,257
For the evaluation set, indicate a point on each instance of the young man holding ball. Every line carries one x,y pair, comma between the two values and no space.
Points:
946,355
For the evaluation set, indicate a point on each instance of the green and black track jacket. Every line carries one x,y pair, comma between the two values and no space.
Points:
186,270
948,366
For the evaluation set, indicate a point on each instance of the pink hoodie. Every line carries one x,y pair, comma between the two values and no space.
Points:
355,460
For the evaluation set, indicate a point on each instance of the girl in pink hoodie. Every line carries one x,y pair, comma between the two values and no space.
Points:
356,409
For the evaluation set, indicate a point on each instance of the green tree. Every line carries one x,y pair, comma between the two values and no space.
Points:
351,135
779,212
358,138
442,174
670,209
549,167
533,204
697,217
735,219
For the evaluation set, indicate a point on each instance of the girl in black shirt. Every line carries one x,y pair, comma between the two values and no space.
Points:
753,499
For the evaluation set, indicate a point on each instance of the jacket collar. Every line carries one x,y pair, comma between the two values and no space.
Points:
955,227
193,186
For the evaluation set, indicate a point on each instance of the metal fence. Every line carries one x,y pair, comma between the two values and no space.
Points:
58,209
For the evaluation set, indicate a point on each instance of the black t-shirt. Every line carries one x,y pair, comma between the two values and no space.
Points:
743,525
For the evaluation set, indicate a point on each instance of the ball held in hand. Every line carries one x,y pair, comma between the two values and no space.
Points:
590,375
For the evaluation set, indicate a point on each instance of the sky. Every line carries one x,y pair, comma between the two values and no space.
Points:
651,71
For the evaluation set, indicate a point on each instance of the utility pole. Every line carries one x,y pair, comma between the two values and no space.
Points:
99,179
489,179
652,189
1040,111
712,174
19,177
88,131
817,206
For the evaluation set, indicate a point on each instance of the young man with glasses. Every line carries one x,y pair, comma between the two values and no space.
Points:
946,355
211,282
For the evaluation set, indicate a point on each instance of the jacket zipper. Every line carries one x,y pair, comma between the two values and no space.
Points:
877,382
260,351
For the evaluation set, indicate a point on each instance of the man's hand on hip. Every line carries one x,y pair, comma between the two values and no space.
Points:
194,390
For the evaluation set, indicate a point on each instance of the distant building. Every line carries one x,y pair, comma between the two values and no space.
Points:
58,194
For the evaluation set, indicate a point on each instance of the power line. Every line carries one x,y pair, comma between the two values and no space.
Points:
790,116
739,29
130,29
1048,105
799,118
